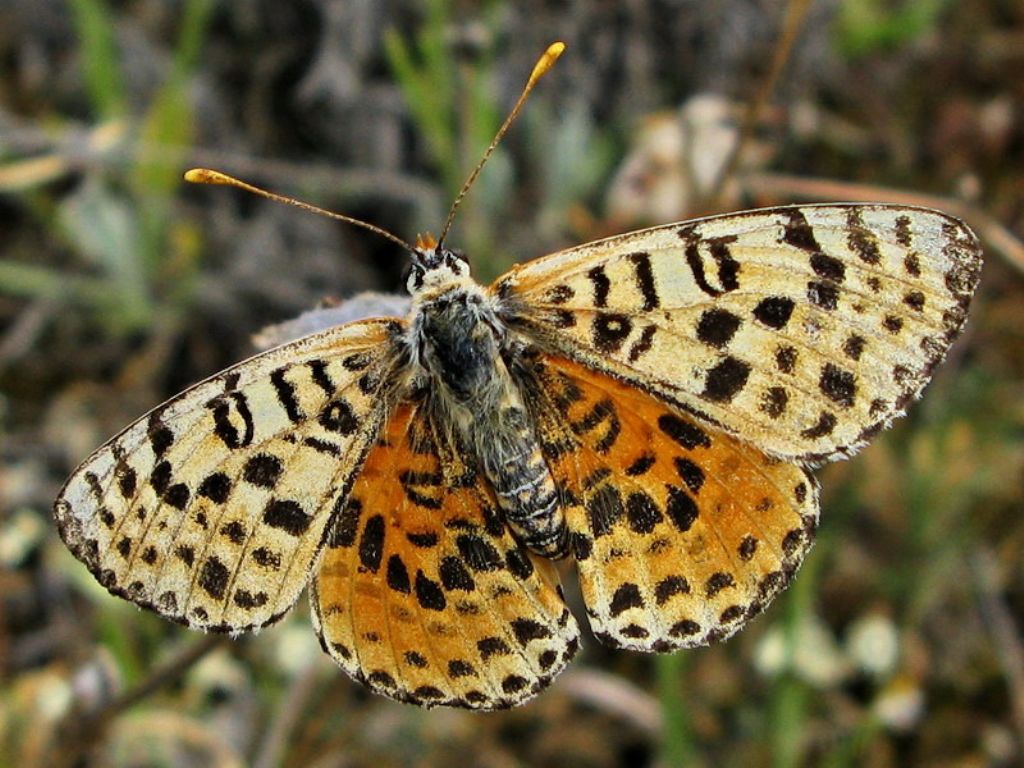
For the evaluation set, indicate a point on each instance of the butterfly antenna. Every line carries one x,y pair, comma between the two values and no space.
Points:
544,63
206,176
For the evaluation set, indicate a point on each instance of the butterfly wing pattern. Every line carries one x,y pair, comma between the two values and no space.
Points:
706,365
801,329
424,594
213,508
680,533
661,395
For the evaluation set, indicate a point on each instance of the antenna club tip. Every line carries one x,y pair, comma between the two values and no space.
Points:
547,60
205,176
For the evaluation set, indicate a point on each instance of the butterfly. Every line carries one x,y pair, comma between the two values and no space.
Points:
647,406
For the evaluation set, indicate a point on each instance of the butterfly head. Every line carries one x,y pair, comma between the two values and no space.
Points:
435,269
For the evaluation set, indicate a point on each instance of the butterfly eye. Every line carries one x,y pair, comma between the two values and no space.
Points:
415,280
456,262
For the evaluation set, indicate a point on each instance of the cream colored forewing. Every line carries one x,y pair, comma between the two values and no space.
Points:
801,329
213,508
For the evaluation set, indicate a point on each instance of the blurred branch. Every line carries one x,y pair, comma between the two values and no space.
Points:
110,144
87,730
614,695
796,13
1005,636
271,749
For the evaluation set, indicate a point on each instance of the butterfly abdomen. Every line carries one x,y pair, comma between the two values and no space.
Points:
512,460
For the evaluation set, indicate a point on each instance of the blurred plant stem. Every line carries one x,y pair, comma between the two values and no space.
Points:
677,748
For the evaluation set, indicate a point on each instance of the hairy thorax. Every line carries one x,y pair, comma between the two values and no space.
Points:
458,340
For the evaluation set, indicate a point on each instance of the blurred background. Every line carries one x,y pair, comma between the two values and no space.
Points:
899,643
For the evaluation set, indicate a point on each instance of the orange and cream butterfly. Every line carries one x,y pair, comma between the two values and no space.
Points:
646,405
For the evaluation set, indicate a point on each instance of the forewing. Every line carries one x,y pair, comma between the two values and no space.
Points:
211,510
802,329
680,534
422,593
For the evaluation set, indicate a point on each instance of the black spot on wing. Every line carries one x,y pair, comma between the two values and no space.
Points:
747,548
903,235
338,416
893,324
454,575
262,470
728,267
797,231
726,379
604,508
424,540
216,487
267,558
428,593
345,526
838,385
682,509
492,646
371,543
689,473
286,515
645,280
223,408
478,553
774,311
642,512
233,531
243,598
861,240
670,586
213,577
160,436
526,630
602,285
716,327
285,392
610,331
160,477
320,376
626,596
127,480
519,563
774,401
641,465
322,446
398,575
177,496
823,427
828,267
854,345
686,433
414,659
915,300
717,582
823,294
560,294
640,347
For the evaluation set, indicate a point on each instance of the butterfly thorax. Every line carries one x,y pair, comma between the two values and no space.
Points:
458,344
